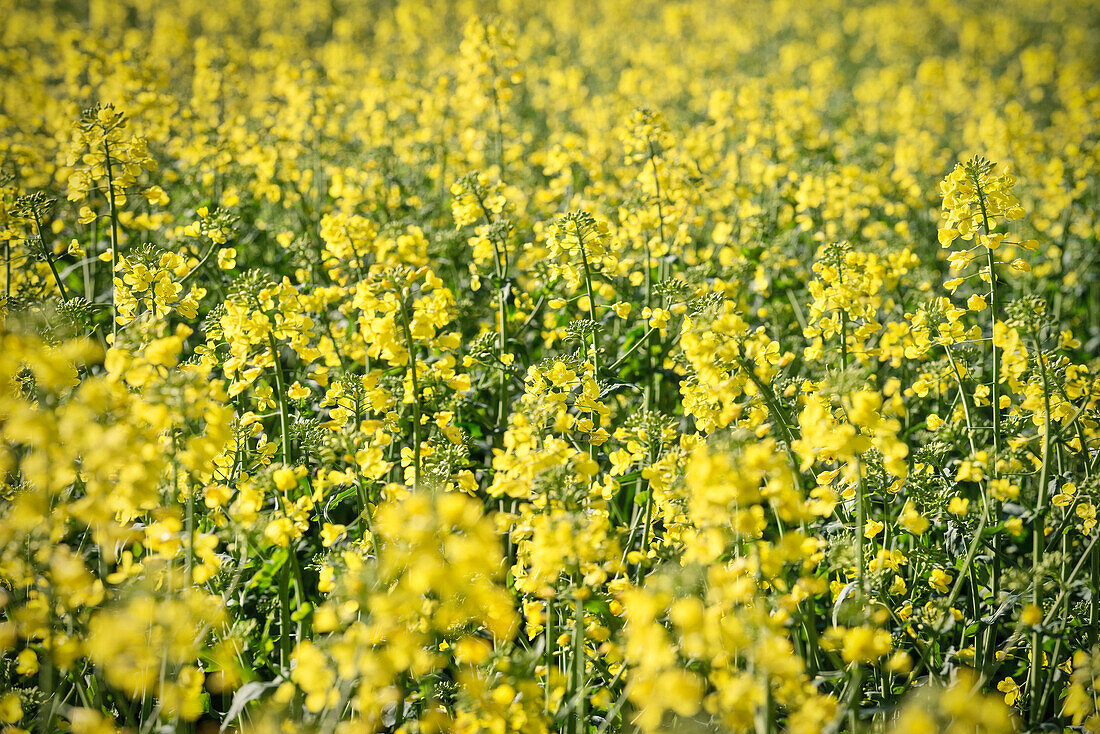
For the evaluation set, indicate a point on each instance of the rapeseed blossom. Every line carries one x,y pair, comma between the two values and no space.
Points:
607,367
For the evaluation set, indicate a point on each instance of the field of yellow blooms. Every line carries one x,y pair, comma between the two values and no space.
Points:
587,366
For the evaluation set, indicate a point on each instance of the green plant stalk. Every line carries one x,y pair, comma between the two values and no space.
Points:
291,567
962,397
496,109
500,262
364,503
1047,686
46,671
613,710
416,389
284,411
551,641
807,614
650,372
843,338
984,645
284,612
1037,542
990,633
627,353
502,337
646,528
657,191
502,403
854,699
861,522
88,263
967,560
578,666
114,237
49,258
578,621
1094,607
1084,557
591,300
779,416
843,324
765,715
189,563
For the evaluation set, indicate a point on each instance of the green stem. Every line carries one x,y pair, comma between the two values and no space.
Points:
578,665
646,527
957,588
843,339
189,525
87,263
49,258
1039,540
591,299
416,389
779,416
861,522
114,237
657,190
651,373
990,633
284,612
291,567
551,642
284,411
641,340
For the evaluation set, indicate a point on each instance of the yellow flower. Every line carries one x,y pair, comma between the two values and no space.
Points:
285,478
1010,689
1065,497
26,663
865,645
912,520
958,506
279,531
331,533
155,195
939,580
11,709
